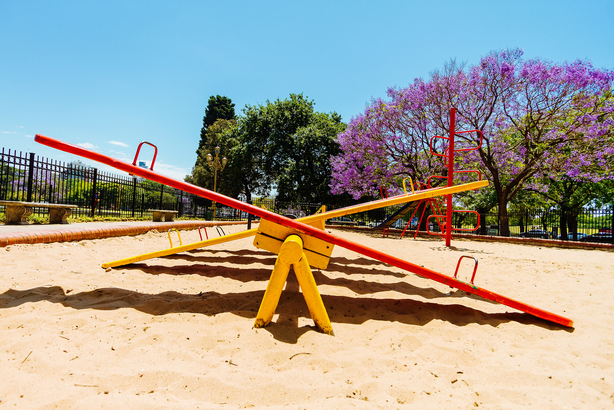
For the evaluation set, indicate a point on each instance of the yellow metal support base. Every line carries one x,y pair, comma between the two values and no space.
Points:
292,254
270,237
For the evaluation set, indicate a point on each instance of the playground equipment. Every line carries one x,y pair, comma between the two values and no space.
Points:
303,242
316,219
444,220
398,214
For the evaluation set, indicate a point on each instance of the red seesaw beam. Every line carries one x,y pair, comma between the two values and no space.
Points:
306,229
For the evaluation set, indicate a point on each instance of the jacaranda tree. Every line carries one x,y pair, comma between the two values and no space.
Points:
534,114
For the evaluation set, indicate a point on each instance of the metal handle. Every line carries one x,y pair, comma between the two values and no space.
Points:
201,235
431,145
178,235
475,268
139,150
383,191
474,148
411,185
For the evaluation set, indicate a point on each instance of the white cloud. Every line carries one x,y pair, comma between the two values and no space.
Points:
120,155
29,136
9,132
121,144
169,170
87,145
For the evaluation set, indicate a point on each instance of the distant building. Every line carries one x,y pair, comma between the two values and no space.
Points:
142,164
78,164
77,169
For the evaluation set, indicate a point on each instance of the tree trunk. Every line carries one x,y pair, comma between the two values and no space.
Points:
248,193
573,223
483,227
563,224
504,219
544,219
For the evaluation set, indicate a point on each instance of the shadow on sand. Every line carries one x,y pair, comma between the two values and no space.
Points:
341,309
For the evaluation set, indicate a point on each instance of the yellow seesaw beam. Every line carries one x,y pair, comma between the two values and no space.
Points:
416,196
182,248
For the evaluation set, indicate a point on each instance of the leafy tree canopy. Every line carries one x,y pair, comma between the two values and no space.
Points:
534,115
291,143
216,135
284,145
218,107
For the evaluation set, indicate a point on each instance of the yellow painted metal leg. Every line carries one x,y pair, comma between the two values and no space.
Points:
312,296
272,293
291,250
291,254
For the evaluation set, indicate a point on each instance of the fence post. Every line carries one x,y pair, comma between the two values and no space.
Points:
249,218
94,189
161,197
2,194
142,203
133,195
30,177
181,204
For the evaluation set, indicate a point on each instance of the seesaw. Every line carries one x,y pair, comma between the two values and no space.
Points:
311,220
290,238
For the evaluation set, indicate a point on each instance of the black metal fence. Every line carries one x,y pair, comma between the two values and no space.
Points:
27,177
588,225
30,178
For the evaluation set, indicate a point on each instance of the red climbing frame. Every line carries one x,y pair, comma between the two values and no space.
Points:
449,156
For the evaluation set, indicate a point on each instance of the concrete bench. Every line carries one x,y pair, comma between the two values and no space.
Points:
17,212
158,214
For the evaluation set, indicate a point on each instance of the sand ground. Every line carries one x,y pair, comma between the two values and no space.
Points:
176,332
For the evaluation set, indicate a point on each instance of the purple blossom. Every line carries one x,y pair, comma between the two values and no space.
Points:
538,119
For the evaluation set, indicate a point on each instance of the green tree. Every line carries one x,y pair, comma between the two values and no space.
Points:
219,134
581,174
290,144
218,107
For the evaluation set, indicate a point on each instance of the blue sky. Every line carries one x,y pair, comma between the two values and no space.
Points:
109,74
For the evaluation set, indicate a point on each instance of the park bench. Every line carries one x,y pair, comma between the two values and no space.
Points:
17,212
158,214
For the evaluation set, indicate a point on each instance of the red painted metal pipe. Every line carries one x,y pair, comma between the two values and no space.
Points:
301,227
451,152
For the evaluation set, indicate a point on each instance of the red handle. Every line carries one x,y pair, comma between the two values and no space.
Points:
139,150
475,268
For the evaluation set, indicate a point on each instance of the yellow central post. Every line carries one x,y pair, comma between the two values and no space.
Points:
291,254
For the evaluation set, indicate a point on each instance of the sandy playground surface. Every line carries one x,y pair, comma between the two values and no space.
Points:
176,332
